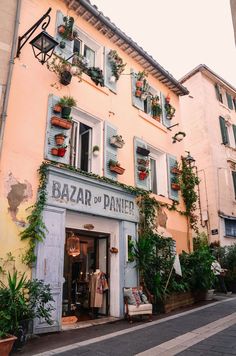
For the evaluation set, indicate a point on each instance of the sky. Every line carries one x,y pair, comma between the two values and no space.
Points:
179,34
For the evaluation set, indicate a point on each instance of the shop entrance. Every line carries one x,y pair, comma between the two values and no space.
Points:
86,277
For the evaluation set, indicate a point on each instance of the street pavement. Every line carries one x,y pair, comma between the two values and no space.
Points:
206,330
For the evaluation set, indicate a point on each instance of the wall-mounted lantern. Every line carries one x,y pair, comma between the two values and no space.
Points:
43,44
189,159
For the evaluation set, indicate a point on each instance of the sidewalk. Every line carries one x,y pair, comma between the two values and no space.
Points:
48,342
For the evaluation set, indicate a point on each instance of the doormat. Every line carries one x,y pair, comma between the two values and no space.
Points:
69,320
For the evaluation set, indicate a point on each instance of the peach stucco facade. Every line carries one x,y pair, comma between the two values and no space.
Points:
24,142
215,161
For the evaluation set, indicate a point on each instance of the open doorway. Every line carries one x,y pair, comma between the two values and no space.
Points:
86,277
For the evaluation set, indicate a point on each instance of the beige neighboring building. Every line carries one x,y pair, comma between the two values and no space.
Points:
209,121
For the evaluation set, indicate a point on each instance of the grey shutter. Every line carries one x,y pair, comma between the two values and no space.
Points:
51,131
165,121
229,101
218,94
234,182
224,131
234,131
171,162
144,184
234,101
68,50
137,102
108,72
110,152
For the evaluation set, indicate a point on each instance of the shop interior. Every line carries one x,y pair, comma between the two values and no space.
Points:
86,276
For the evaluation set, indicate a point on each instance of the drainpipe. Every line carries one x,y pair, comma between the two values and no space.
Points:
9,75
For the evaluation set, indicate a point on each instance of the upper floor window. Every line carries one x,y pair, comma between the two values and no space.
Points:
219,93
230,228
81,146
234,182
158,172
85,51
224,131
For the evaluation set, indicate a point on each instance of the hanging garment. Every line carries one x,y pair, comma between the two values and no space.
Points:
98,285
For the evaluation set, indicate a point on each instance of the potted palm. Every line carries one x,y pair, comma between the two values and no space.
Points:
115,167
117,141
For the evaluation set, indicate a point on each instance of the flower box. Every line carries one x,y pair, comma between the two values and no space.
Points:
117,169
142,151
116,143
178,300
64,123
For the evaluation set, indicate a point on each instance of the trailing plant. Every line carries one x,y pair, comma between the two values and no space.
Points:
61,67
179,136
170,110
189,181
36,229
156,107
117,64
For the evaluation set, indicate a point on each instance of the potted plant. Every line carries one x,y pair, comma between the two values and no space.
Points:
21,301
176,169
143,162
114,250
117,65
66,103
96,75
142,86
115,167
64,70
57,108
96,150
170,110
65,123
54,151
80,61
142,151
143,174
59,139
66,29
175,185
61,151
117,141
156,108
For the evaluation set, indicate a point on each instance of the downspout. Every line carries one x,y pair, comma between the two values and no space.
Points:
9,75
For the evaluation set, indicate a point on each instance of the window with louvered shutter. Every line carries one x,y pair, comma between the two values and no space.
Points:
69,45
140,183
234,182
110,152
218,93
108,72
224,131
171,162
136,101
229,101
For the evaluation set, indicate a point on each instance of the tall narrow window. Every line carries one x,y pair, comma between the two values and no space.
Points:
234,182
224,131
229,101
81,138
90,55
153,175
218,93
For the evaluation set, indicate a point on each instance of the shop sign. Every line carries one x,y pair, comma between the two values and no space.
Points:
87,196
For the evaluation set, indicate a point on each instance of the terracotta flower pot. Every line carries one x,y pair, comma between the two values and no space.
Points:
6,345
175,170
54,151
157,118
114,250
61,29
139,84
63,123
175,186
57,108
117,169
138,93
59,139
143,175
61,151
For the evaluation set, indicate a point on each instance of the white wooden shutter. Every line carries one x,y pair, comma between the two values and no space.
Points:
51,131
68,50
110,152
137,102
165,121
144,184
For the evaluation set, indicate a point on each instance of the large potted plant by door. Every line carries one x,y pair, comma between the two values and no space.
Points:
21,301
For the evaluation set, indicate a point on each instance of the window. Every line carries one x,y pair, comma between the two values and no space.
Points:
89,49
158,171
230,227
234,182
81,146
229,101
224,131
219,94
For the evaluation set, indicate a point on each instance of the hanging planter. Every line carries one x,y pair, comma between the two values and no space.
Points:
63,123
115,167
59,139
117,141
62,151
178,137
170,110
57,108
65,77
142,151
66,103
114,250
117,65
138,93
143,174
66,29
96,151
64,70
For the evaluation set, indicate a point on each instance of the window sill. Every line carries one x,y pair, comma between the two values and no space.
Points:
229,237
225,107
148,118
88,80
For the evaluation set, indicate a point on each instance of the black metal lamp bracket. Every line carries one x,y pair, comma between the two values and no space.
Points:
23,39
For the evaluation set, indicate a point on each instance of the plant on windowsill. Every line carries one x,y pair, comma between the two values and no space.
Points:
175,184
65,30
115,167
96,150
117,65
143,174
156,108
170,110
64,70
59,139
96,75
117,141
179,136
80,61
